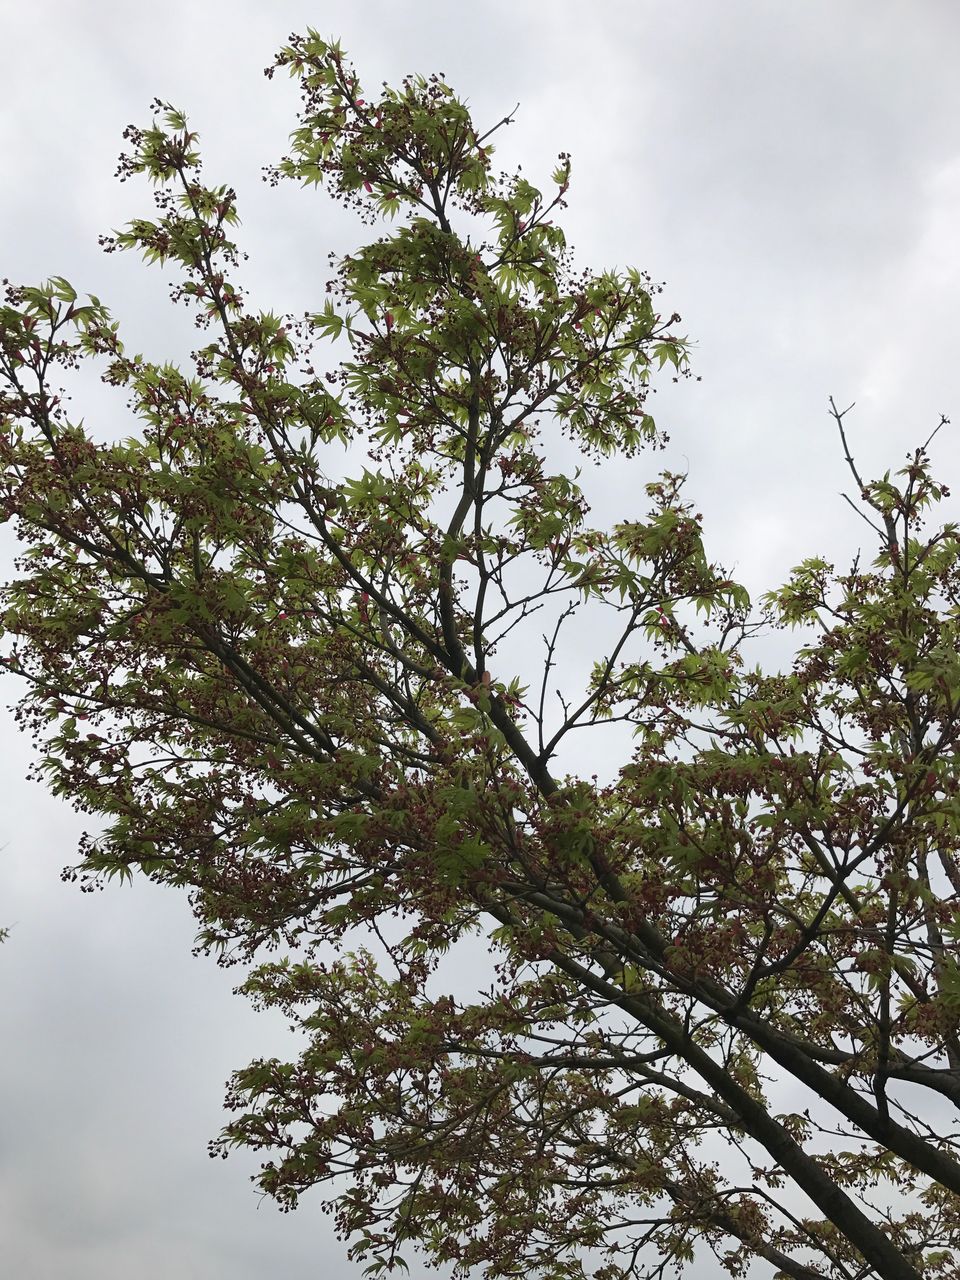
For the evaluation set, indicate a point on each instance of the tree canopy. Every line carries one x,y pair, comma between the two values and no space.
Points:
298,645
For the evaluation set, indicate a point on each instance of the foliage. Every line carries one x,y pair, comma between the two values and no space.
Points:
318,700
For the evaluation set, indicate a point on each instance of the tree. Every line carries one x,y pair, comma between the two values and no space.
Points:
307,683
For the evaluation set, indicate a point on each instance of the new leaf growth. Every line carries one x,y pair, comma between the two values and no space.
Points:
299,644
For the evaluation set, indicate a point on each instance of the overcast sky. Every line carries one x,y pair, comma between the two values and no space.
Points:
791,171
